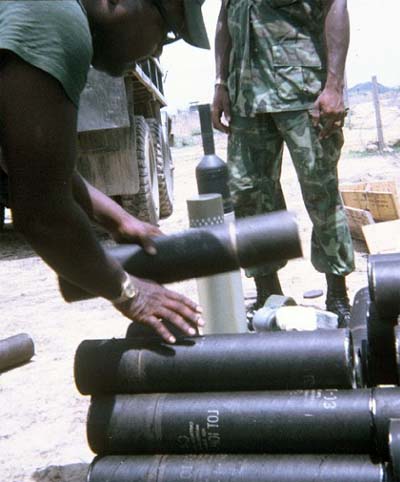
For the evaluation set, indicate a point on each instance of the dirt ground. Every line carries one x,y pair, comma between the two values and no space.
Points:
42,415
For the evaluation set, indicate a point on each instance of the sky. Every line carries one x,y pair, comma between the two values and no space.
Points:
374,50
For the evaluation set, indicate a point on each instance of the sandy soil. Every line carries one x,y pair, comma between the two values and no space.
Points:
42,428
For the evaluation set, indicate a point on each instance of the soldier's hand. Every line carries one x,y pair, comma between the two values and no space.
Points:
153,303
221,108
132,230
328,113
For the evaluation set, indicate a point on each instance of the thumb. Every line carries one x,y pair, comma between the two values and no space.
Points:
148,245
227,109
315,114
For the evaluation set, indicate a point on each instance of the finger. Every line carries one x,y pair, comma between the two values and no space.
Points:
215,115
158,326
224,128
217,124
154,231
176,299
315,115
339,123
181,312
148,245
327,129
332,122
177,320
227,110
315,118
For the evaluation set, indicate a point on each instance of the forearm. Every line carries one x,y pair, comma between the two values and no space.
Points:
223,45
99,207
61,234
337,35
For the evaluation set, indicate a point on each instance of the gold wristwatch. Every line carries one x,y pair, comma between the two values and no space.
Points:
128,291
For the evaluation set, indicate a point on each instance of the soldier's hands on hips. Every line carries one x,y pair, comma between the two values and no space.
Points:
153,303
221,108
328,113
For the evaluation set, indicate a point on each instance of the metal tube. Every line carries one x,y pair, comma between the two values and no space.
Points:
376,259
385,406
384,284
246,361
221,295
381,354
373,338
397,349
311,421
236,468
206,251
394,448
212,174
138,330
207,133
15,350
358,330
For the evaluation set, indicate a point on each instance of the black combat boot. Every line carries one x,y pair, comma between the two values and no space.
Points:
337,300
266,286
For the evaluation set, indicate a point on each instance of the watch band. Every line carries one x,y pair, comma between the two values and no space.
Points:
221,82
128,290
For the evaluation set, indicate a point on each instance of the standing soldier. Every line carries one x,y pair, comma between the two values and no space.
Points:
280,76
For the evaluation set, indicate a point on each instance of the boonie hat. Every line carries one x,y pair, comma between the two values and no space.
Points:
194,31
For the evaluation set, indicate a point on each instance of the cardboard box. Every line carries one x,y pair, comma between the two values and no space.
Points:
373,212
358,218
379,198
382,237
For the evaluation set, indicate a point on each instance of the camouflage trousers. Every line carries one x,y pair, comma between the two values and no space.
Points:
255,150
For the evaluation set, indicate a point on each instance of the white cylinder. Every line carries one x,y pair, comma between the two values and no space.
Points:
220,296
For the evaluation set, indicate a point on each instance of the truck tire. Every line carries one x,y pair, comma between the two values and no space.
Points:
164,169
145,205
4,196
2,216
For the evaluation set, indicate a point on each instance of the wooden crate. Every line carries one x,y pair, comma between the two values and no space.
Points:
358,218
378,197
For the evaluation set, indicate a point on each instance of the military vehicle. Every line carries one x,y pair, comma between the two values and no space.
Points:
123,140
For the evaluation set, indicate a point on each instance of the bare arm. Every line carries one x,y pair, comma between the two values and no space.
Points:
329,107
123,227
223,45
337,37
38,134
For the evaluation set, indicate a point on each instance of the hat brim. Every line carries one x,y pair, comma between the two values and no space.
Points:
195,30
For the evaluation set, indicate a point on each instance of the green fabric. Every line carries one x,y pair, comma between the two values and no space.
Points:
278,60
196,33
254,161
51,35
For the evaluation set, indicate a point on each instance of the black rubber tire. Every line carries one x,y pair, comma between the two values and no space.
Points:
165,169
2,216
4,195
145,205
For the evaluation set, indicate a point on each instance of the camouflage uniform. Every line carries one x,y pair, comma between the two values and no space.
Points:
277,70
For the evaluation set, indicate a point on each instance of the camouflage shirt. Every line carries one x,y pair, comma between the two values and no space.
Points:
278,60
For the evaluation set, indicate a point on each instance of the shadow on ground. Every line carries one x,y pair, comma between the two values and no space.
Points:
12,245
59,473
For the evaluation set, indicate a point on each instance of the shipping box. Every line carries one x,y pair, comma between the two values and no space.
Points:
373,212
